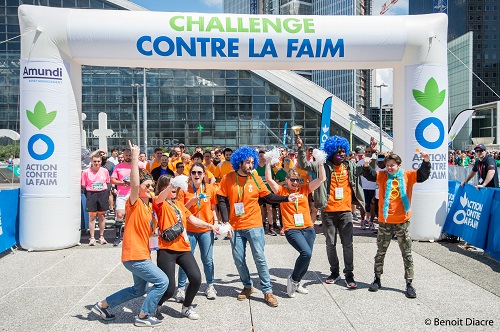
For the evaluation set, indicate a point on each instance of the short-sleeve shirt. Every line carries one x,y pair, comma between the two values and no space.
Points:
151,165
251,188
261,170
167,217
138,228
121,172
204,209
95,181
289,209
396,212
482,168
280,175
340,179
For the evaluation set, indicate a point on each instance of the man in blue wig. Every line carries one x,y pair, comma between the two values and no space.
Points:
238,197
334,199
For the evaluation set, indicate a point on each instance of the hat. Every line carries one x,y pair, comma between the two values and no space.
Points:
291,152
480,146
310,148
181,144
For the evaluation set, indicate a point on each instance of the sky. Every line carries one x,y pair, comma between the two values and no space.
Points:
200,6
400,7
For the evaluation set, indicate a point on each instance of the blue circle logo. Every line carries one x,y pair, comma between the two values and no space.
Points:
47,140
419,133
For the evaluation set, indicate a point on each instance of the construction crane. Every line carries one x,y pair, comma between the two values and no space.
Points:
387,5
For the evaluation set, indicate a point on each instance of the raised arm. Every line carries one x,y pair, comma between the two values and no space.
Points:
269,178
314,184
134,174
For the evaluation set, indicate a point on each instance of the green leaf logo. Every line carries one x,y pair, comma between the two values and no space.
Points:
452,137
431,98
39,117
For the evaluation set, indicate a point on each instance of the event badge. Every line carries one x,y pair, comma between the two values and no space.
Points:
480,181
239,209
98,186
339,193
299,219
153,242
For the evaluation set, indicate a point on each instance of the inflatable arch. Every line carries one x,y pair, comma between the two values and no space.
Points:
56,42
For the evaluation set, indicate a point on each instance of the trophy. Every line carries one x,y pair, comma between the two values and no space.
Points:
296,129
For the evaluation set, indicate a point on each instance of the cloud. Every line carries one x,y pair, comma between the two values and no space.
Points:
213,3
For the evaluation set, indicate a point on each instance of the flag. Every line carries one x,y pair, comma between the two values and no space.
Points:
459,122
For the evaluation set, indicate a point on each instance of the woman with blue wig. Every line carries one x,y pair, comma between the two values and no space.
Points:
334,198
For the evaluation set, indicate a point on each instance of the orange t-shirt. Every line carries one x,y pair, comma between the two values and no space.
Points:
340,179
171,164
289,209
248,187
138,227
204,210
152,165
222,169
167,217
303,174
396,213
210,168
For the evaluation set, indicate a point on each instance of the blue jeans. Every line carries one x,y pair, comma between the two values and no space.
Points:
206,242
303,241
255,237
144,272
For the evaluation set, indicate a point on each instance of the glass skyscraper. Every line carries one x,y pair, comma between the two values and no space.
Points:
196,107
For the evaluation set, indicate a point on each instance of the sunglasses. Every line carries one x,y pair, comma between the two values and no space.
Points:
294,180
286,160
149,185
478,151
196,173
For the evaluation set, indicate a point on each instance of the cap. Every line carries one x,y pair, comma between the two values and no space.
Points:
310,148
357,150
181,144
480,146
291,152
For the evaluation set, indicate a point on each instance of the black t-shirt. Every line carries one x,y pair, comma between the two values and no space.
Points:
482,168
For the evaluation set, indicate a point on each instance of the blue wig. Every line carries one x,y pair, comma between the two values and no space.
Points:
333,143
242,154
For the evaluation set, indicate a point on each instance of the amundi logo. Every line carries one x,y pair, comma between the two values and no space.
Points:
473,214
44,73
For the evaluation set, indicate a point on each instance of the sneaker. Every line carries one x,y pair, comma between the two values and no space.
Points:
291,286
349,282
210,292
189,313
272,232
376,285
117,242
332,278
149,321
245,294
102,312
92,242
372,226
180,295
410,291
102,240
301,289
271,300
363,225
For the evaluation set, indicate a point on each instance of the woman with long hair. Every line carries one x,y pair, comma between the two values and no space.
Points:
178,250
201,200
136,255
297,222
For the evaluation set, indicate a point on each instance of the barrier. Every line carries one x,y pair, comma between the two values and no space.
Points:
471,216
9,218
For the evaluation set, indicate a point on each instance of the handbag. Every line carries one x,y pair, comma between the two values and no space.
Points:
173,231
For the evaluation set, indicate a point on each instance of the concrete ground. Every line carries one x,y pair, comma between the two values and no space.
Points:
55,290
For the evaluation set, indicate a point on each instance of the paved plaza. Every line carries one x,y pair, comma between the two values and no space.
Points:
54,291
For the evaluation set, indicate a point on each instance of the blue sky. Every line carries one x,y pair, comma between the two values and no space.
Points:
200,6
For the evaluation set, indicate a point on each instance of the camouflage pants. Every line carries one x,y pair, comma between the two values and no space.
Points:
384,237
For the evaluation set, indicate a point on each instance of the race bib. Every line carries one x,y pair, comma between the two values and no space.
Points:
98,186
239,209
153,242
298,219
339,193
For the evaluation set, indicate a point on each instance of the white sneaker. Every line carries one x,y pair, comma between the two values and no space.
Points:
302,290
291,287
210,292
189,313
180,295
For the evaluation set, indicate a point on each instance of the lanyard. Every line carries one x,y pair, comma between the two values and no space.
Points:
337,179
152,221
176,209
240,192
198,202
296,201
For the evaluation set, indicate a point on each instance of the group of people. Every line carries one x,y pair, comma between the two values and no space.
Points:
185,210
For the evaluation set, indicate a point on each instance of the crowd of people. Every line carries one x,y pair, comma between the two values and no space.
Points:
177,201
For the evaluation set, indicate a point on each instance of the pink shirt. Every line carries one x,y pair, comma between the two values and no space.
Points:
95,181
122,172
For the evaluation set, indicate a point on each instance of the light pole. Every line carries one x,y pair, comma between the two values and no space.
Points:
383,85
137,86
145,112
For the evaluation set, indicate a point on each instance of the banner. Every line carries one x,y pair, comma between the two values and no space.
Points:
46,88
452,191
9,221
326,113
469,215
284,133
493,241
458,123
